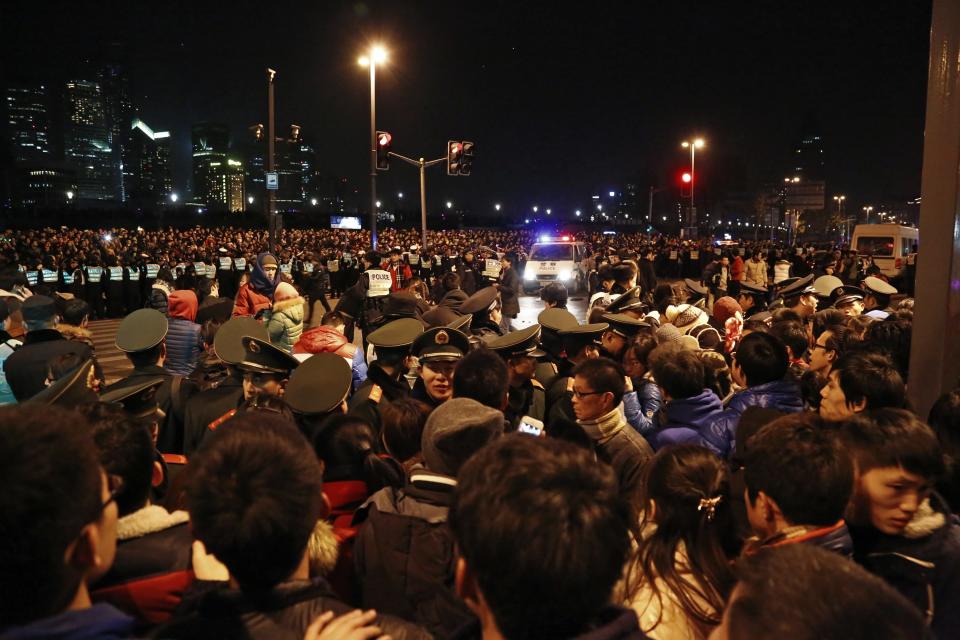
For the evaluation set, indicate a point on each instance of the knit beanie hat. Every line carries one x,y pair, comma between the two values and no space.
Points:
724,308
268,259
285,291
686,316
668,334
456,430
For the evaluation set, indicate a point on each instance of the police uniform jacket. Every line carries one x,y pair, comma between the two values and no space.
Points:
26,368
529,399
170,439
207,407
378,388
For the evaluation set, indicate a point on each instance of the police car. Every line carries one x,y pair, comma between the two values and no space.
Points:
553,259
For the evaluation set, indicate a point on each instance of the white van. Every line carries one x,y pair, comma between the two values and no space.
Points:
889,244
554,259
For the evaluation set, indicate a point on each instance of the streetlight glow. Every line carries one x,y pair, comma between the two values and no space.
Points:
313,201
378,204
69,195
536,208
449,205
379,54
699,143
577,212
249,199
497,206
174,197
548,212
400,195
364,61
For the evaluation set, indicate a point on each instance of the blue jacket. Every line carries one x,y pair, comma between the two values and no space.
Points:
184,345
782,395
686,420
101,621
641,405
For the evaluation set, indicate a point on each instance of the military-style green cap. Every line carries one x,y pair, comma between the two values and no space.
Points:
397,333
482,300
141,330
878,287
440,316
262,357
69,391
748,288
441,343
624,325
319,385
461,324
628,301
218,309
228,341
524,342
595,329
555,319
140,400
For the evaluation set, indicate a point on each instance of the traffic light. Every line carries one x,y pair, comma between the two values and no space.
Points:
686,179
467,158
454,156
384,142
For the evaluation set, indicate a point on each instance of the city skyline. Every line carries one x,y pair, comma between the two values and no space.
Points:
542,138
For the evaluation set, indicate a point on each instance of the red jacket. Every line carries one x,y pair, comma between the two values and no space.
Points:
399,275
249,302
736,268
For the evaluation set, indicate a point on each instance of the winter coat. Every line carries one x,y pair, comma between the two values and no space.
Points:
453,299
249,302
282,613
685,420
510,290
77,334
642,404
329,340
781,271
737,268
7,346
922,563
755,272
835,538
184,343
26,368
620,446
101,621
159,295
404,554
782,395
285,325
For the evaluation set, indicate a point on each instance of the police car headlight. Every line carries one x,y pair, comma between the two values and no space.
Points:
564,275
529,275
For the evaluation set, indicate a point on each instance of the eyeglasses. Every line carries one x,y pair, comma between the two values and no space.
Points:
583,394
115,485
820,346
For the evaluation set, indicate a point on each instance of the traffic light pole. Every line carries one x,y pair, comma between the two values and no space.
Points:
422,165
373,155
271,210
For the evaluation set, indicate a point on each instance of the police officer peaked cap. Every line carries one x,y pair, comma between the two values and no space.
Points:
441,343
319,385
626,326
140,400
846,294
518,343
262,357
461,324
626,302
555,319
482,300
141,330
878,287
695,287
228,341
750,289
799,286
218,309
396,333
69,391
595,329
825,285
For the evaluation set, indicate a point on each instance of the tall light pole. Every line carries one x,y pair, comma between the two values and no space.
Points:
377,55
840,200
693,145
271,139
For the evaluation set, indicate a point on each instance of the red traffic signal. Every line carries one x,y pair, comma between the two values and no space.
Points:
454,156
384,143
687,177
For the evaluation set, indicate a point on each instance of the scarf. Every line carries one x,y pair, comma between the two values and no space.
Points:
258,278
605,427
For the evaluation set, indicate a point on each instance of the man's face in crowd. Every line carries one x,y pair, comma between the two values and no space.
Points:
613,343
524,367
833,402
852,309
269,384
746,302
588,403
270,270
438,379
887,498
809,303
820,357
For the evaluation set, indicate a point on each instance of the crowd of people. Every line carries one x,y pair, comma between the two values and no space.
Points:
729,456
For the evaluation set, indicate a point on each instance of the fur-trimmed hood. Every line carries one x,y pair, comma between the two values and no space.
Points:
73,332
283,305
323,549
150,519
925,521
162,286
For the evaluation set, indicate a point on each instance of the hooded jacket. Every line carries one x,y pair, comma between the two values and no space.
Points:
285,325
184,343
329,340
685,420
159,296
782,395
257,294
922,563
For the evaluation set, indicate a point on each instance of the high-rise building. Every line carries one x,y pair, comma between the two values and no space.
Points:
233,187
808,157
147,176
119,113
211,142
28,123
87,142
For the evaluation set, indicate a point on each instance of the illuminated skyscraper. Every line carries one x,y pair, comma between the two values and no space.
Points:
147,178
87,142
234,185
211,142
28,123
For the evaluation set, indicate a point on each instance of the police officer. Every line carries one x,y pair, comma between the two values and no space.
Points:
629,303
526,395
580,343
141,336
438,351
318,388
385,381
696,293
552,321
72,390
848,299
622,329
487,313
801,296
141,402
753,298
207,406
876,302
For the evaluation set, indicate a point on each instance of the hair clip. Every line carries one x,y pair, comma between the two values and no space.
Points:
710,506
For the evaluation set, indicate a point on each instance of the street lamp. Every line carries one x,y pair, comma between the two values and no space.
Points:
839,200
69,195
400,195
313,201
693,146
377,203
536,208
497,206
376,55
174,197
577,212
548,212
249,199
449,205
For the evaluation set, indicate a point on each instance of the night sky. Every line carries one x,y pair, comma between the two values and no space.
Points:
562,103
